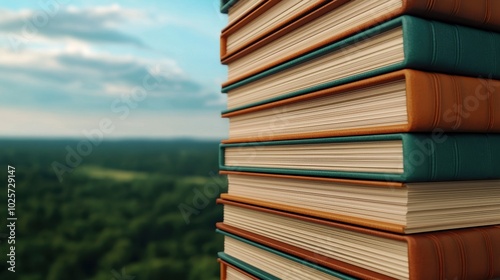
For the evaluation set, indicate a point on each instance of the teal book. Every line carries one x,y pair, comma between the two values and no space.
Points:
404,42
401,157
259,252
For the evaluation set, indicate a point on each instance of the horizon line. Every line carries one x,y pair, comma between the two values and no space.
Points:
110,139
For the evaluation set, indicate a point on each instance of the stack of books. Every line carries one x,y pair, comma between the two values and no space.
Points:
364,139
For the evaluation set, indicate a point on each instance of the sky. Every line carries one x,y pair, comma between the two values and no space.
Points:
140,68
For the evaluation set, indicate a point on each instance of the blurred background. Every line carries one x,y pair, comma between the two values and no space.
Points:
110,114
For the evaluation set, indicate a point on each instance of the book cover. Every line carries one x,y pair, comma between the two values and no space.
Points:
389,103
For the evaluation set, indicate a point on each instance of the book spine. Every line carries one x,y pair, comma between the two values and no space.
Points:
452,103
222,155
223,272
451,49
460,254
483,14
450,157
223,46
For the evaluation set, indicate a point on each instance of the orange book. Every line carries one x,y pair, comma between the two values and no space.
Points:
250,19
402,101
319,23
237,10
369,254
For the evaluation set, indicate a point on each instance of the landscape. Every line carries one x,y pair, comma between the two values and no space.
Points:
134,209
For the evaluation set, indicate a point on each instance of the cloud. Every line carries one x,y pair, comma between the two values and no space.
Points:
62,69
91,82
63,76
94,25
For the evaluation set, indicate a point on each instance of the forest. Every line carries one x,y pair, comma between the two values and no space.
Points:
134,209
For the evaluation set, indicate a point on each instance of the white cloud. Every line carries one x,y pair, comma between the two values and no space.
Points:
62,80
103,24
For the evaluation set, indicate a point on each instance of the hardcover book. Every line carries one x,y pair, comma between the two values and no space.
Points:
236,10
369,254
389,206
402,101
333,21
405,42
391,157
249,20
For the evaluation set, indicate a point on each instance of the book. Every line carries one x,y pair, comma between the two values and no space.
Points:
389,103
338,20
405,42
368,254
237,10
400,157
389,206
232,272
270,264
261,19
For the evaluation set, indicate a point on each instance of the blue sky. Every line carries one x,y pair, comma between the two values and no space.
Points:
151,67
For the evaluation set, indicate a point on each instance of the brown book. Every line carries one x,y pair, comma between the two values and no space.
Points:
325,24
388,206
241,9
250,19
230,272
369,254
402,101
